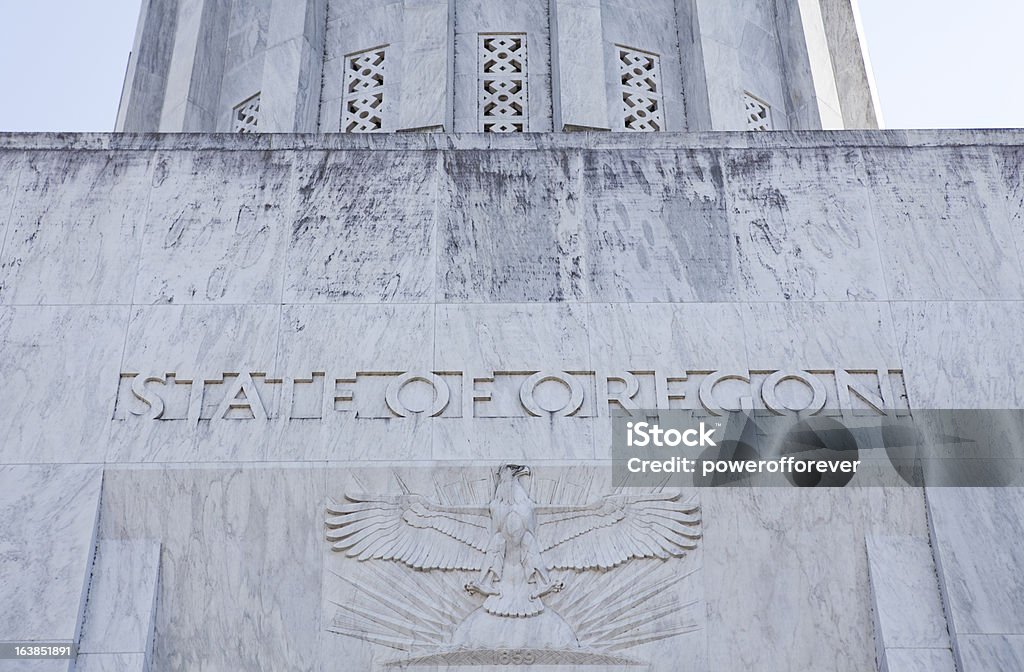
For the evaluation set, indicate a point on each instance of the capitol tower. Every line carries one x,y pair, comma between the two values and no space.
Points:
323,360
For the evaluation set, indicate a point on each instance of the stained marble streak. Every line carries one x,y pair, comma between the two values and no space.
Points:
510,233
75,229
356,239
951,206
799,234
656,228
215,229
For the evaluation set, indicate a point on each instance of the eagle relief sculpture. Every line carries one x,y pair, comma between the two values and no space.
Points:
513,581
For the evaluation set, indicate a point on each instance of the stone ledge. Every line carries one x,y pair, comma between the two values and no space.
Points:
521,142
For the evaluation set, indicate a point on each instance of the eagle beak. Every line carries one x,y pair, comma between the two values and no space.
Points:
523,471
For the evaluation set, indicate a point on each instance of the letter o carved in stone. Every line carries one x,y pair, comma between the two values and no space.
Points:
527,394
442,394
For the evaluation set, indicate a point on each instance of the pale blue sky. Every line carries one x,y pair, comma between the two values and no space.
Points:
938,63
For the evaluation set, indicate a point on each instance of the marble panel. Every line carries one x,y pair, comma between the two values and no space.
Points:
424,83
60,370
721,19
512,337
364,228
820,335
247,35
215,229
75,229
725,86
240,568
944,231
122,598
678,337
48,517
290,88
786,575
802,226
578,65
919,660
355,26
511,229
907,604
944,363
850,60
333,86
981,653
179,340
657,228
330,115
240,84
983,591
181,65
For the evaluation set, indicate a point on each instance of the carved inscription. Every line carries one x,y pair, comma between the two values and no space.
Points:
238,395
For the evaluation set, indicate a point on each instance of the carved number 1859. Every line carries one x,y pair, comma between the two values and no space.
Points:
505,657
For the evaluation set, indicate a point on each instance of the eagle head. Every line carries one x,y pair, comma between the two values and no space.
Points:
512,471
509,487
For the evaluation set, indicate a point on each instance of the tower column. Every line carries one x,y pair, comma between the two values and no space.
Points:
578,66
196,67
428,34
293,66
810,82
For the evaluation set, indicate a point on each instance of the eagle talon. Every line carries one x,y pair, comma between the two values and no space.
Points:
474,588
550,588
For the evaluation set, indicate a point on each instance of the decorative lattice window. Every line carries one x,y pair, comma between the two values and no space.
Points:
640,78
503,83
758,112
363,103
247,115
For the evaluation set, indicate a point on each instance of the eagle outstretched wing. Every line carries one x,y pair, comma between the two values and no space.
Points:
409,529
617,528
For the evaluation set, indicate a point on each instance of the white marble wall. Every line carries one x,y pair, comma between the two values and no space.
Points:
121,261
288,255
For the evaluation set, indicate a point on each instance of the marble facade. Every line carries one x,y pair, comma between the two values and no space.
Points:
199,543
